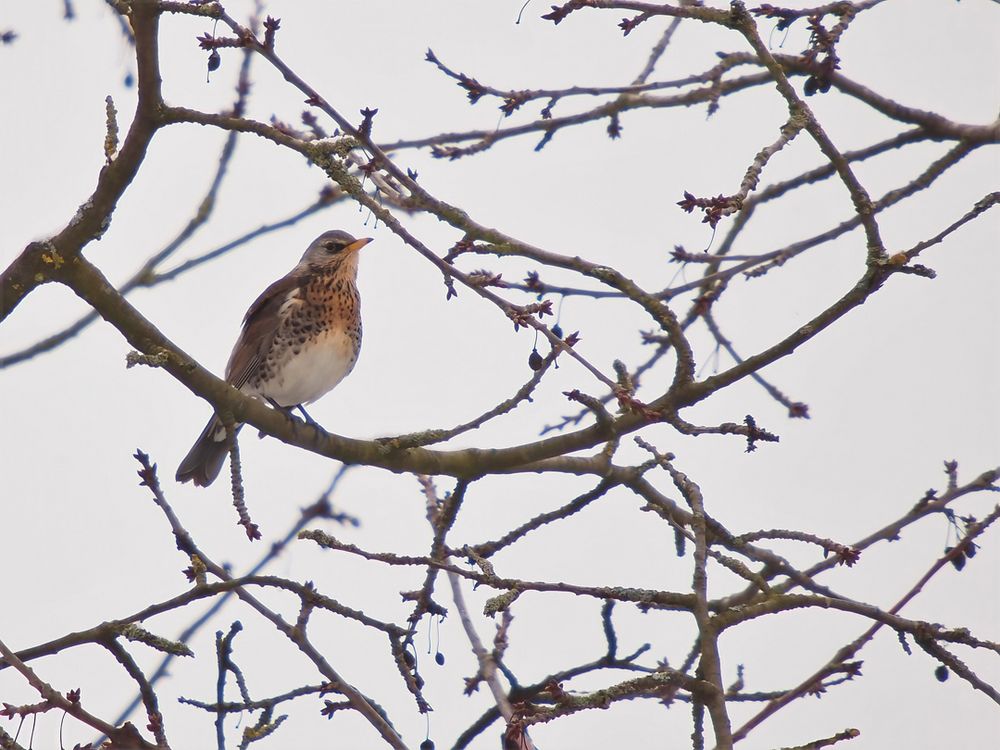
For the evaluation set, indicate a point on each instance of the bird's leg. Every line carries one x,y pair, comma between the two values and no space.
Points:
286,410
289,411
305,416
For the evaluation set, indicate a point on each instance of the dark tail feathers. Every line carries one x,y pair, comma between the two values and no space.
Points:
204,461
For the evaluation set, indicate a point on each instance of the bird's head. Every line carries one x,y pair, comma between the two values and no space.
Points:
334,249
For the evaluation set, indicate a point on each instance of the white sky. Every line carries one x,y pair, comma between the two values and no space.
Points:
894,389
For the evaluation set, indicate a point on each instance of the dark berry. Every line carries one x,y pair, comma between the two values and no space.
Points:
439,658
557,330
941,673
535,360
214,60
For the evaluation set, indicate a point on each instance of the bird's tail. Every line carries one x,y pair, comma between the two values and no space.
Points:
204,461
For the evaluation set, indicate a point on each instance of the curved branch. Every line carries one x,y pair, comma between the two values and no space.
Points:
39,261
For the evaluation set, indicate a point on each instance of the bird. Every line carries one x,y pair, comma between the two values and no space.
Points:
299,339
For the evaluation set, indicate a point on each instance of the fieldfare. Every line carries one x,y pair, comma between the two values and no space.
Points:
300,338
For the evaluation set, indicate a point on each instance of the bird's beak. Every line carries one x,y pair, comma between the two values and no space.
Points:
358,244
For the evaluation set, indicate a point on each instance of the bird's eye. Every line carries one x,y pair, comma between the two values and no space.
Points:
333,247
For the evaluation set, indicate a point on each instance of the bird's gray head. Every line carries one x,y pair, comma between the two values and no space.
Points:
333,249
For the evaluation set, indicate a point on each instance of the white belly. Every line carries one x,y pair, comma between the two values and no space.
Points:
318,366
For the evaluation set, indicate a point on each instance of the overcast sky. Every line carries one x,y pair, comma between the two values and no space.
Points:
894,389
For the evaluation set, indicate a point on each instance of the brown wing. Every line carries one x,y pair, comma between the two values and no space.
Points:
259,326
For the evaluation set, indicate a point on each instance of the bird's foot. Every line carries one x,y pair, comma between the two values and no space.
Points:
309,420
290,412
